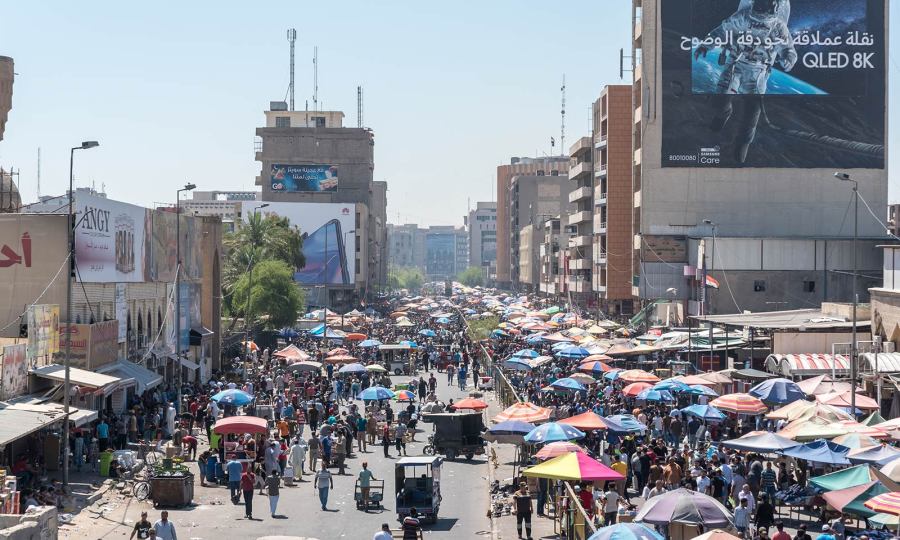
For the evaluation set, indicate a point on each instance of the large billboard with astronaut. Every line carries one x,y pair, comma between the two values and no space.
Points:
773,83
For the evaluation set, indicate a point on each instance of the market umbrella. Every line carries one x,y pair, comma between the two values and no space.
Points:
288,333
553,431
594,366
672,385
887,503
338,351
808,429
852,500
306,365
852,426
524,411
704,412
427,333
352,368
376,368
567,383
405,395
739,403
691,380
873,419
442,320
369,343
638,375
649,394
375,393
819,451
777,391
556,449
509,432
852,476
583,378
241,424
823,384
843,399
635,388
291,353
761,442
355,336
876,455
716,534
891,470
626,531
469,404
717,377
700,390
573,467
574,352
340,359
855,441
526,353
520,364
685,506
624,423
586,421
233,396
410,344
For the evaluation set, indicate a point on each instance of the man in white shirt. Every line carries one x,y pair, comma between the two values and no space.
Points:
165,529
703,483
610,502
384,533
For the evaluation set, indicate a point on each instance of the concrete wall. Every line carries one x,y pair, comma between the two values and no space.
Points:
813,342
39,525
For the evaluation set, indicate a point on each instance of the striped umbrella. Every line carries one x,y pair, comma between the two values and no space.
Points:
404,395
594,366
638,375
524,412
558,448
887,503
739,403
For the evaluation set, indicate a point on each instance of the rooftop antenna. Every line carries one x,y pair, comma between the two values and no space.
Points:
292,38
316,78
39,174
562,127
359,107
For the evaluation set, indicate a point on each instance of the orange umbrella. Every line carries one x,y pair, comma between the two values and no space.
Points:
694,379
638,375
636,388
341,359
526,412
739,403
556,449
597,358
338,350
355,336
586,421
887,503
470,403
843,399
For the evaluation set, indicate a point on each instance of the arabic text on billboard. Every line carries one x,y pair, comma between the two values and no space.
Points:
327,235
304,177
773,83
109,240
14,377
43,332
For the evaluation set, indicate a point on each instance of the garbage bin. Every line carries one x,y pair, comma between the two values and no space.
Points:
106,458
211,465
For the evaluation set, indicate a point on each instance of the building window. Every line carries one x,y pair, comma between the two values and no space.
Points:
282,121
759,285
809,286
320,121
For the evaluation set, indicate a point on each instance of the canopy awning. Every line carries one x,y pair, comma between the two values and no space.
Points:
881,363
190,364
790,365
81,377
16,423
144,378
37,403
197,334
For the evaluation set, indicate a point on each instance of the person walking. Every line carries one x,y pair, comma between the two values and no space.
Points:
386,440
323,483
142,528
522,509
297,458
384,533
248,482
165,529
234,469
340,452
273,483
272,458
312,446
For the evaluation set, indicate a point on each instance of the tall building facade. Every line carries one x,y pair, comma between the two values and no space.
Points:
550,166
741,187
446,251
613,202
310,157
406,246
533,199
482,225
580,221
7,77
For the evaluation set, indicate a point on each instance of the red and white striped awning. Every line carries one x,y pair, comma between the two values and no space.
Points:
790,365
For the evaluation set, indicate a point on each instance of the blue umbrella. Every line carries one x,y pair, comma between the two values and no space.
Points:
499,333
427,333
777,391
700,390
557,347
509,432
443,320
551,432
567,383
375,393
624,423
368,343
626,531
526,353
353,368
574,352
233,397
535,339
655,395
289,333
611,375
704,412
672,386
411,344
516,363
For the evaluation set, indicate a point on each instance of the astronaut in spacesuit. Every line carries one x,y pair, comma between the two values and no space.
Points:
755,38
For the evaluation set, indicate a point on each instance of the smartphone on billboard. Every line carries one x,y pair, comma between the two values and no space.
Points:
326,258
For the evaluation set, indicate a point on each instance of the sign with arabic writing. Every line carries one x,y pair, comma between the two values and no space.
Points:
32,264
109,240
304,177
773,83
14,377
43,332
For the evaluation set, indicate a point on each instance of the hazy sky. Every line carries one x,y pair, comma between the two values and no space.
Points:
174,91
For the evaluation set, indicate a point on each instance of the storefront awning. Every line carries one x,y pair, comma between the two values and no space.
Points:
81,377
190,364
144,378
198,333
17,423
805,365
38,403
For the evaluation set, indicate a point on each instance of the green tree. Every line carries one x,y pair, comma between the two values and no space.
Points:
471,276
275,297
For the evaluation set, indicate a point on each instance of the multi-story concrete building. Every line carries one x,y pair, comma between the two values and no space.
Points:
529,272
612,252
533,199
226,205
550,257
741,187
550,166
446,251
7,77
482,225
406,246
310,157
580,222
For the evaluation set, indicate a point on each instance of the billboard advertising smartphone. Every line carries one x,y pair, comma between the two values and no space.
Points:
773,83
109,240
328,235
304,177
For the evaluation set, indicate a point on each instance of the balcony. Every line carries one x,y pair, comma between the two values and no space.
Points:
637,156
601,141
600,259
580,241
637,199
579,285
599,196
581,169
579,194
599,227
581,146
638,31
580,264
600,288
600,171
580,217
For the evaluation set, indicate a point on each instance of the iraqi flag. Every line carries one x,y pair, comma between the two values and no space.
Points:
712,282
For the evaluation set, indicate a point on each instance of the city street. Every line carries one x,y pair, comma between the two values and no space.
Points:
462,513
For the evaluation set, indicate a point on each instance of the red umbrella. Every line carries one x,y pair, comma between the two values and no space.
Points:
636,388
470,403
526,412
241,424
355,336
586,421
739,403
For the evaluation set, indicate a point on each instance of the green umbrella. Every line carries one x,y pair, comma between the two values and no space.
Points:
873,419
552,310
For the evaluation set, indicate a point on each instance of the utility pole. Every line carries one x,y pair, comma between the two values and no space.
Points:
292,38
844,177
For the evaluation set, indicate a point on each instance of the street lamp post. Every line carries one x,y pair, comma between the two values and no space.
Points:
712,266
178,271
844,177
69,276
250,287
